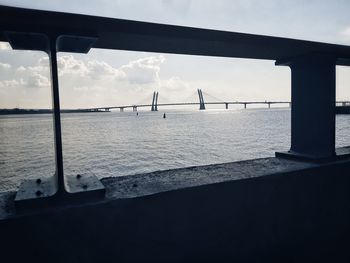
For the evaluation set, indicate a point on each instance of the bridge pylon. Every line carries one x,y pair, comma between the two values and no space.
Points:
155,102
201,100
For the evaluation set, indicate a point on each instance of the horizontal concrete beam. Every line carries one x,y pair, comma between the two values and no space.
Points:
141,36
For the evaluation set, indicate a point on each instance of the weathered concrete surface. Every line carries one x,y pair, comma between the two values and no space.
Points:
161,181
267,210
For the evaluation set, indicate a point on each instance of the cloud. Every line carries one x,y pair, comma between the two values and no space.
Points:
144,70
100,69
26,77
36,76
5,46
38,80
175,88
4,66
69,65
11,83
81,72
86,82
176,84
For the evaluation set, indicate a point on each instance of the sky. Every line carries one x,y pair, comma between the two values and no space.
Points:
111,78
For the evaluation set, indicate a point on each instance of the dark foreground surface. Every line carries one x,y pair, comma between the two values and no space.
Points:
264,210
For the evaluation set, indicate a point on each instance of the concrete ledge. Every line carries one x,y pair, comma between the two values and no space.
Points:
169,180
174,179
264,210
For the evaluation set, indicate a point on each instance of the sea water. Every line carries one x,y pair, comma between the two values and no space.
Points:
124,143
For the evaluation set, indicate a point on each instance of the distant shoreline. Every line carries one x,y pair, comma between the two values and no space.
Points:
38,111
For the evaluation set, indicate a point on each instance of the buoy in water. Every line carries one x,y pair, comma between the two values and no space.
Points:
164,116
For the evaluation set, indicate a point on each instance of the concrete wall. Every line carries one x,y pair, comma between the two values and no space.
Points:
294,217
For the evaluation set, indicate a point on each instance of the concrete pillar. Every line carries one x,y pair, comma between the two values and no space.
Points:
134,108
121,109
226,104
313,106
269,104
245,105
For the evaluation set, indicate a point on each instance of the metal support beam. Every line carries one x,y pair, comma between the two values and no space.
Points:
245,105
121,109
52,52
134,108
313,106
226,105
55,190
269,104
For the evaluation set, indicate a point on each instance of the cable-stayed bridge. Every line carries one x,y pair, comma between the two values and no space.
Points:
153,105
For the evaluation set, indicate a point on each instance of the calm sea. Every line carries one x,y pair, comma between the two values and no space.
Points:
121,143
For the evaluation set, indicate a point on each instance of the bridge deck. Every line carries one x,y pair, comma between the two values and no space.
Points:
197,103
190,103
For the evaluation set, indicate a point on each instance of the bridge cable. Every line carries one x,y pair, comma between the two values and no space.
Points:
215,99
